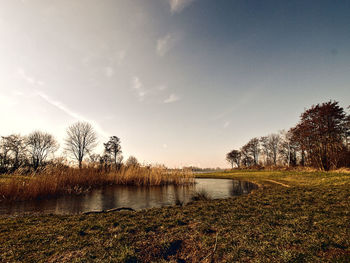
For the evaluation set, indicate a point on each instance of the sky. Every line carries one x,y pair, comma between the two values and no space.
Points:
180,82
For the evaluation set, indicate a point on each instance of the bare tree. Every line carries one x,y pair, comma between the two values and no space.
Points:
273,144
4,155
113,148
264,141
94,158
17,149
105,162
132,161
252,149
246,159
81,140
288,150
234,157
40,145
120,159
347,131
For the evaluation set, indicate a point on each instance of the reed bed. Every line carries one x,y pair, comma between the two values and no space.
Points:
55,181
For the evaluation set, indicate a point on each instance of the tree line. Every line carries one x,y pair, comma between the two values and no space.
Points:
37,149
321,139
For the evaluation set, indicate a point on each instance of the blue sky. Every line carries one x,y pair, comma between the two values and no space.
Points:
181,82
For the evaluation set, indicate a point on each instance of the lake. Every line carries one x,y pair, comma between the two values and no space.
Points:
135,197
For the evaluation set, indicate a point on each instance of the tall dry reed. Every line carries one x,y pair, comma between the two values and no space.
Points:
54,181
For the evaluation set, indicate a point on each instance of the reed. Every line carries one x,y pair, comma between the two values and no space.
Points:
55,181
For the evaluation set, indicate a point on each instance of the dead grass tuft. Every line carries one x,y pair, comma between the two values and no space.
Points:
54,181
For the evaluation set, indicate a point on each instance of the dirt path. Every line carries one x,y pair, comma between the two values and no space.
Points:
272,181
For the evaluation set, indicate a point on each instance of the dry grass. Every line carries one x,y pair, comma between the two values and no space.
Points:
54,181
306,222
343,170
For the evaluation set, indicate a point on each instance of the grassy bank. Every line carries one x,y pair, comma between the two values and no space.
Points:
292,217
55,181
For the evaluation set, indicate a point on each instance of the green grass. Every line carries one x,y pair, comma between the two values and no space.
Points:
309,221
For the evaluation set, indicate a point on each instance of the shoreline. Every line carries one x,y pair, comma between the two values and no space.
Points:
14,208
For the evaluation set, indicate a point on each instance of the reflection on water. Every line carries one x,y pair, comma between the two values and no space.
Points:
242,187
129,196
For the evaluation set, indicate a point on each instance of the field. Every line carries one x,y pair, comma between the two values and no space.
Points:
293,217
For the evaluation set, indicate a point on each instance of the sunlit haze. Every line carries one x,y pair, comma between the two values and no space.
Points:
180,82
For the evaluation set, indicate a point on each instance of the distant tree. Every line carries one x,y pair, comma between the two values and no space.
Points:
270,147
39,146
4,155
247,161
345,157
94,158
17,150
273,144
113,148
321,133
288,149
81,140
347,131
132,161
252,149
234,157
120,159
105,162
265,149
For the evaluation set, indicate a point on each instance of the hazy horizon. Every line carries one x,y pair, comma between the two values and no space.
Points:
180,82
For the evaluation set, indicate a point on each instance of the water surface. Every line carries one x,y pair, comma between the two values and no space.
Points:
135,197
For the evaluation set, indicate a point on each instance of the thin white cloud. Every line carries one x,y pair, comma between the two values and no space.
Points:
244,99
165,44
29,79
176,6
59,105
137,85
172,98
226,124
70,112
115,60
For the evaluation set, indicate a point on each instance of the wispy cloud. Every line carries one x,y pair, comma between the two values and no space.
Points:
172,98
176,6
244,99
34,83
226,124
153,94
137,85
29,79
115,60
165,44
59,105
111,62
